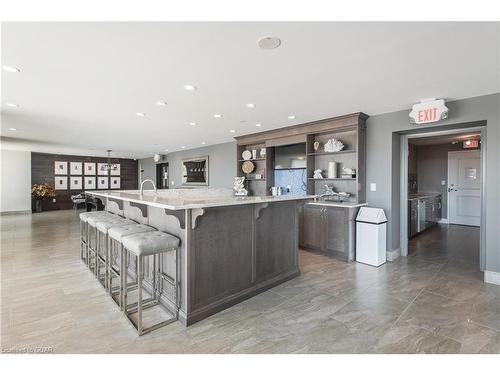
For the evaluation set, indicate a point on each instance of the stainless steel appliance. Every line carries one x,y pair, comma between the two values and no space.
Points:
412,217
423,212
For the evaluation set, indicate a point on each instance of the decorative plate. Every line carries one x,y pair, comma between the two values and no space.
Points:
247,155
247,167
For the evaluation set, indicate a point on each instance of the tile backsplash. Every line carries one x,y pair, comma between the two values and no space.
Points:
292,181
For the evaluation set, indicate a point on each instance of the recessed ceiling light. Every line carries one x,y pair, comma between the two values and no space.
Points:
232,131
291,117
140,114
166,150
269,42
13,105
192,123
183,146
217,115
203,143
161,103
190,87
251,105
12,129
258,125
11,69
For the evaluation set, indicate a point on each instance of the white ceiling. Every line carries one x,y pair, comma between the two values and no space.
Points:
81,84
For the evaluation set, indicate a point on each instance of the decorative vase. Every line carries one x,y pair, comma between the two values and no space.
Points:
332,169
38,205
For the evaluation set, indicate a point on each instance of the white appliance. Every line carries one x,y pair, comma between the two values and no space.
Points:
371,232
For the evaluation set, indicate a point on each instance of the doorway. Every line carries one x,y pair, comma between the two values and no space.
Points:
464,187
442,196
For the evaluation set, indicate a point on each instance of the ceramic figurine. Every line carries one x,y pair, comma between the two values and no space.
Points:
317,174
239,187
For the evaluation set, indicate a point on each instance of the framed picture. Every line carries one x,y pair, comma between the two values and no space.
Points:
101,169
102,182
75,167
115,182
89,183
89,169
75,183
115,171
61,183
60,167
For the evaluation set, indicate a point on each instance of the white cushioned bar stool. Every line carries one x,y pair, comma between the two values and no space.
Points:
151,244
116,235
84,234
98,248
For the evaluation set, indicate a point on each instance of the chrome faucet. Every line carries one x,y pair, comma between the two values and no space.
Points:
152,182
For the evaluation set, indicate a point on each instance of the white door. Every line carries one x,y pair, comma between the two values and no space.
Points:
464,187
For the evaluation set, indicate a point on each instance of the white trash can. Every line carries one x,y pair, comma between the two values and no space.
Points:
371,228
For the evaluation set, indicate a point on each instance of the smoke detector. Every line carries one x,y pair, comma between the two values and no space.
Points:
269,42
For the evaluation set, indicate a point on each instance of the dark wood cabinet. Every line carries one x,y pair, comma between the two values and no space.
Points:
312,227
329,229
336,236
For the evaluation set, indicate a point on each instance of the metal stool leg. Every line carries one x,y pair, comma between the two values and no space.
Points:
140,276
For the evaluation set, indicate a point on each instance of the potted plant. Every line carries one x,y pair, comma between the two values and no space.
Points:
39,192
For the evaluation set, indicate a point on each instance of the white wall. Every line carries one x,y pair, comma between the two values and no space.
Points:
221,165
15,181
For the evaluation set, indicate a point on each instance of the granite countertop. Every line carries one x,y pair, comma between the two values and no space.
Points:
337,204
422,195
182,199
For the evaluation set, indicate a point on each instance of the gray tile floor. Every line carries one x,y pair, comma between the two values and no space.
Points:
431,302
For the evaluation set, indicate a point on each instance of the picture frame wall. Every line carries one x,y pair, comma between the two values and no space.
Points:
84,175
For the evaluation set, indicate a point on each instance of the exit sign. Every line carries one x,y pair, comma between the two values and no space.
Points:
428,111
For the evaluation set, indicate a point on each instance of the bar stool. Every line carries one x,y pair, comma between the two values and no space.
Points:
142,245
84,231
100,225
116,235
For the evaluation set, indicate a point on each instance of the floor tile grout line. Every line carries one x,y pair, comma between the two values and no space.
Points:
418,295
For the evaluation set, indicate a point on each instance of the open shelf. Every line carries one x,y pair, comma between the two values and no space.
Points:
256,159
321,153
330,179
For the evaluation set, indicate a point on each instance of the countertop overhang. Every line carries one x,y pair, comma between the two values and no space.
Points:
337,204
178,199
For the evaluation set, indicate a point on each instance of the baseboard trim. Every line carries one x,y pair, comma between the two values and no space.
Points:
491,277
443,221
393,255
5,213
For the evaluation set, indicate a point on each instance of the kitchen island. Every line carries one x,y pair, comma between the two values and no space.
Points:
231,248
